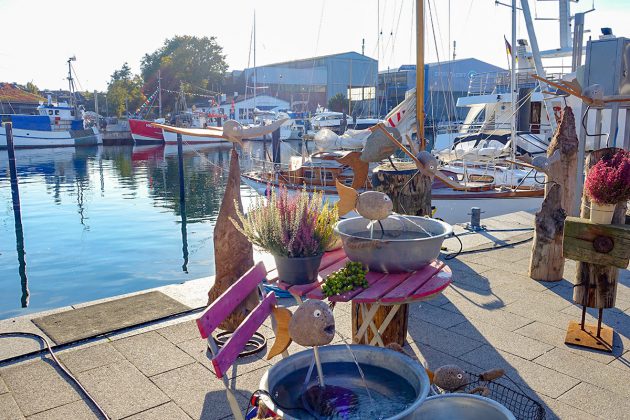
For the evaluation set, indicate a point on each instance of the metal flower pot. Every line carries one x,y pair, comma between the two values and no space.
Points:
298,270
462,407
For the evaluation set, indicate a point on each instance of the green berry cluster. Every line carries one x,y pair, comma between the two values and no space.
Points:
345,279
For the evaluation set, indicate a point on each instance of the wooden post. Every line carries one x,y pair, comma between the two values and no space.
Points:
547,261
596,285
233,253
410,194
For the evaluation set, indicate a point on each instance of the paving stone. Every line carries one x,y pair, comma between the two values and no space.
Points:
151,353
121,389
197,348
249,382
78,410
476,314
598,401
196,391
441,339
555,337
433,358
90,357
585,369
541,311
435,315
18,346
504,340
622,362
9,410
561,411
518,267
168,411
3,386
530,374
180,332
38,386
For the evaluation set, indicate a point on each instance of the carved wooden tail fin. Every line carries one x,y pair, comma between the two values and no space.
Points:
283,339
359,167
347,199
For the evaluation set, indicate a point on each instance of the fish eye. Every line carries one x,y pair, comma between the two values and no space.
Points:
460,376
317,313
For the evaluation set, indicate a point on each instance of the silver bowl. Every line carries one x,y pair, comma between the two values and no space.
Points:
405,245
398,364
461,407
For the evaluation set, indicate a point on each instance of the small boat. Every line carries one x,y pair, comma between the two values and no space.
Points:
143,132
57,125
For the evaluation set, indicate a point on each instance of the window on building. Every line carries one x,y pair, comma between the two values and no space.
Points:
361,93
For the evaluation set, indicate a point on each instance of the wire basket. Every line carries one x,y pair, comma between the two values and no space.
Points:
522,406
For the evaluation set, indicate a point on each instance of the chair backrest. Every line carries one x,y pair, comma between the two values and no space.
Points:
224,305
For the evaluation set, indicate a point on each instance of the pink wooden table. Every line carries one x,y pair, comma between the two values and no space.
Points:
391,290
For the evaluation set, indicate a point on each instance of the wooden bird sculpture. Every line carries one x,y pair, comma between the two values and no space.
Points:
312,324
372,205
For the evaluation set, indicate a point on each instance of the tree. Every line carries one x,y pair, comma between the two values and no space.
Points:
124,91
195,62
32,88
338,103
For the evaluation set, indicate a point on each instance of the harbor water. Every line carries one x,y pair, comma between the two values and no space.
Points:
104,221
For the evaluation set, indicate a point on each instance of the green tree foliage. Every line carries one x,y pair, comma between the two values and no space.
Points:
32,88
338,103
124,91
195,62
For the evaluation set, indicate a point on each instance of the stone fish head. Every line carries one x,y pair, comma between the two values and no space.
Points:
312,324
374,205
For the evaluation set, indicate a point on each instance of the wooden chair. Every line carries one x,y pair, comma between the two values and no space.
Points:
223,306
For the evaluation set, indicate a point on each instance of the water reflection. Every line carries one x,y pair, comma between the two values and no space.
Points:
99,222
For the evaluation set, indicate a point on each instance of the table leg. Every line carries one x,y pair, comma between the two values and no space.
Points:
367,319
384,325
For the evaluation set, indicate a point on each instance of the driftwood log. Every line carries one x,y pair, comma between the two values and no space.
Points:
596,285
547,261
233,253
409,190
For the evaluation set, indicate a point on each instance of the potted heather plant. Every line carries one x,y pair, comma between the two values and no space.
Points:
295,229
608,183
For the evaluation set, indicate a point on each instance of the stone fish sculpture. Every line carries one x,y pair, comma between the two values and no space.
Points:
312,324
372,205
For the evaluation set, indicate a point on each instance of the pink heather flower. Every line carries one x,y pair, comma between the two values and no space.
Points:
608,181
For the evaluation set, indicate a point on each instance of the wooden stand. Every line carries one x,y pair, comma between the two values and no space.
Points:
547,262
396,331
600,251
410,194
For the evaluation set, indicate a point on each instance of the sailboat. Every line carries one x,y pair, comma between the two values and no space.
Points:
57,125
451,194
142,131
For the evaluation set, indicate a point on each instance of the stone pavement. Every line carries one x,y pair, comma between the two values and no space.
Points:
492,316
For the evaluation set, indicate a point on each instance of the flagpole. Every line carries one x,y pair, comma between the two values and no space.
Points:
513,94
420,73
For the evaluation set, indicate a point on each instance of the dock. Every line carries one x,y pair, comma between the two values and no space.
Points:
492,316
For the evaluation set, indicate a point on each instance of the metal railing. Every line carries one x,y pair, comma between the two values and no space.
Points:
499,82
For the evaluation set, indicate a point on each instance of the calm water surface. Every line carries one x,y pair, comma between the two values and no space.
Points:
99,222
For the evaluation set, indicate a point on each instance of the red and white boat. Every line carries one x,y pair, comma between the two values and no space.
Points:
143,132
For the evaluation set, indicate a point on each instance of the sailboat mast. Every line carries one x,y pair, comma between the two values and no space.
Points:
160,93
514,93
420,73
255,71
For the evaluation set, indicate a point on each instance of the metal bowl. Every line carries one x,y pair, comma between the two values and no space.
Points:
389,253
461,407
398,364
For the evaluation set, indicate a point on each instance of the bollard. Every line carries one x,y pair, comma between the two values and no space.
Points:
475,219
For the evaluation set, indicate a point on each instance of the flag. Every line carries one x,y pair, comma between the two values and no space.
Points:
508,47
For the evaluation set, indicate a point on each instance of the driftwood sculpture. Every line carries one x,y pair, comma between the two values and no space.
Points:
547,261
233,253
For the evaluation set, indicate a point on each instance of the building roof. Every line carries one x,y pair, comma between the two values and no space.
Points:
10,92
349,54
459,61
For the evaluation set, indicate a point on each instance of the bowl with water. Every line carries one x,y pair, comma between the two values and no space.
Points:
397,244
360,382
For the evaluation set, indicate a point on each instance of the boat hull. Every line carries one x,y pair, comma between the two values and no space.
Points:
171,138
451,206
143,132
24,138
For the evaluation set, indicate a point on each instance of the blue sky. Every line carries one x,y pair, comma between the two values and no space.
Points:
38,36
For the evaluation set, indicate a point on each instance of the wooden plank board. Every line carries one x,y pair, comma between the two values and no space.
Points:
232,348
413,283
434,285
230,299
303,289
371,277
381,288
580,236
